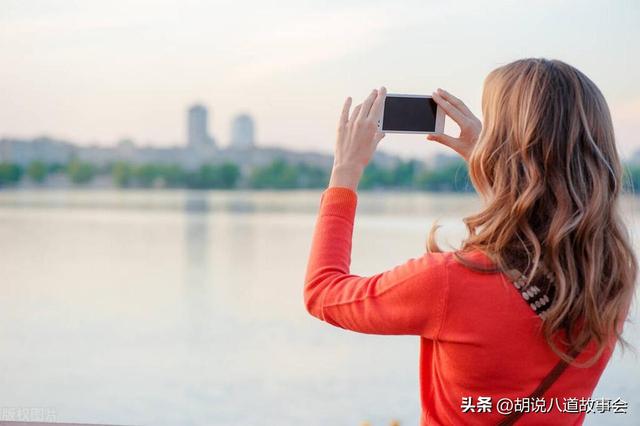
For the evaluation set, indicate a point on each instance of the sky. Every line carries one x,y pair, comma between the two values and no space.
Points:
95,72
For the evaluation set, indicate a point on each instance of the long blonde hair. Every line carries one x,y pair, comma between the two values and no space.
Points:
548,170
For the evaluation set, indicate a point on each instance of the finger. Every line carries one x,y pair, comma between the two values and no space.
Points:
457,102
379,136
344,117
354,113
451,110
366,105
447,140
452,143
378,104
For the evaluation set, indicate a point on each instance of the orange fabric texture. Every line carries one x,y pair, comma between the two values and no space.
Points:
478,337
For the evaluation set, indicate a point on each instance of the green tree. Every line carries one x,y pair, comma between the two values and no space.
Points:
160,175
122,174
404,173
229,175
278,175
10,174
211,176
632,178
55,168
80,172
146,175
37,171
375,176
173,175
311,176
452,177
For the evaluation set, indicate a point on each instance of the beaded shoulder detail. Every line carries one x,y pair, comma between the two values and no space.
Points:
536,295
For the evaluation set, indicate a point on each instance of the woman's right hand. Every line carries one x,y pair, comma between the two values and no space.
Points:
470,125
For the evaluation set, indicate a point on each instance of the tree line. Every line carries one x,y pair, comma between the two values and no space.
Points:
451,176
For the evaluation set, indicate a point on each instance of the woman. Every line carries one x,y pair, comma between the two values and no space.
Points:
545,271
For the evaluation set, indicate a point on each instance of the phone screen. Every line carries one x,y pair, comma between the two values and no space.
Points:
409,114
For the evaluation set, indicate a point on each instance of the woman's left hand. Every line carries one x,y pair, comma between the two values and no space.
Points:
358,137
470,125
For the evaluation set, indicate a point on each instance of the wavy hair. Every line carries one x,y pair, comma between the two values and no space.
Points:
547,168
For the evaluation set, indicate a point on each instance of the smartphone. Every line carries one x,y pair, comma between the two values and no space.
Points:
411,114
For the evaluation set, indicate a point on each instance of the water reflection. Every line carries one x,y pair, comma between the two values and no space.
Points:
198,284
196,234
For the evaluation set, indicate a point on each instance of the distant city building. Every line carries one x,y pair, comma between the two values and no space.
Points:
52,151
126,149
200,149
242,132
198,128
39,149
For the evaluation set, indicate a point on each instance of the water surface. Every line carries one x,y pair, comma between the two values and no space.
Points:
185,308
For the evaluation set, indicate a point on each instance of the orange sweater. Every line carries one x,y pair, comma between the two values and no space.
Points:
478,336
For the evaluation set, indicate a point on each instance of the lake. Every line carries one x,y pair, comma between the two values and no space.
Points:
185,308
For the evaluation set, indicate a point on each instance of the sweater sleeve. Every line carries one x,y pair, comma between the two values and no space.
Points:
408,299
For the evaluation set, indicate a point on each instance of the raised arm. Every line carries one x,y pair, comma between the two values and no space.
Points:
408,299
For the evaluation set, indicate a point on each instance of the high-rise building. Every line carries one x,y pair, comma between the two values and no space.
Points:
198,128
242,132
